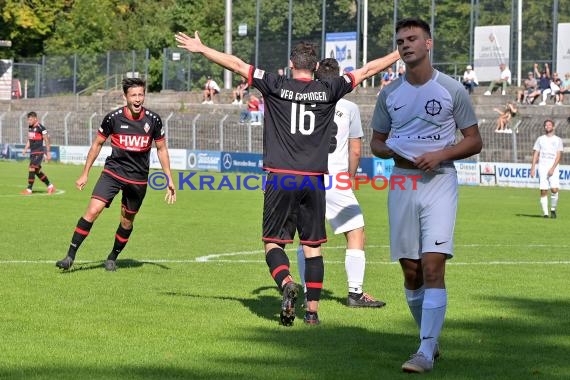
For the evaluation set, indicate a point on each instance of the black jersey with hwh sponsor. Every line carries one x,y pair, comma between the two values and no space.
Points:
36,134
131,141
297,120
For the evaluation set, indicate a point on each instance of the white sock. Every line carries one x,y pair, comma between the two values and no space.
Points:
553,201
433,315
415,300
355,263
544,204
301,266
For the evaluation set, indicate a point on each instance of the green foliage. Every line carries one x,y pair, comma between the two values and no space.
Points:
86,27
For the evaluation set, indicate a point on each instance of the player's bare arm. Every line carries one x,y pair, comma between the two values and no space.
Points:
228,61
379,147
470,145
164,159
48,147
92,155
533,165
374,67
354,152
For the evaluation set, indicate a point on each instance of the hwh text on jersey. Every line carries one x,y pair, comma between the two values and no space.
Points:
134,142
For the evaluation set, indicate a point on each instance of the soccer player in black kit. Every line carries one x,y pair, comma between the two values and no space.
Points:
296,137
132,129
37,136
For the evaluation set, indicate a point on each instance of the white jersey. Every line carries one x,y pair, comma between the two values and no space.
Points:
423,118
548,147
349,126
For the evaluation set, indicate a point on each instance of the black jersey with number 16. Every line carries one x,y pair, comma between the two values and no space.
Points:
297,120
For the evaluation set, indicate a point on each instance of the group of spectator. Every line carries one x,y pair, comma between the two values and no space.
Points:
544,87
538,84
390,75
255,106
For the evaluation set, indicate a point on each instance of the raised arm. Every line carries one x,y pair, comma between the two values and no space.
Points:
228,61
374,67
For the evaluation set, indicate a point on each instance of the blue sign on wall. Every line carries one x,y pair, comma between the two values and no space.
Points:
241,162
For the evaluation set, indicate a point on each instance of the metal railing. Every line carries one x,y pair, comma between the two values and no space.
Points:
223,131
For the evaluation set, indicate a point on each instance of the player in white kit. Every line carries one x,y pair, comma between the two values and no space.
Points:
342,209
414,122
547,153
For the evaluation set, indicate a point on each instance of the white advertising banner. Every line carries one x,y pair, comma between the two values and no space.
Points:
563,50
342,47
491,49
70,154
517,175
467,173
5,79
177,159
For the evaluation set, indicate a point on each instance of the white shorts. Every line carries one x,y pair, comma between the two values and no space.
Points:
343,211
546,182
422,219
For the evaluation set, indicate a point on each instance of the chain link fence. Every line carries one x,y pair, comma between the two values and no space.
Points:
222,131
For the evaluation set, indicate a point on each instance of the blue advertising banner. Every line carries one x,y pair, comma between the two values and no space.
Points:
242,162
383,167
204,160
14,152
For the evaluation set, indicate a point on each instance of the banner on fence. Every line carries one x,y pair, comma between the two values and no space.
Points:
177,159
517,175
203,160
14,152
242,162
467,173
563,49
491,49
75,154
342,47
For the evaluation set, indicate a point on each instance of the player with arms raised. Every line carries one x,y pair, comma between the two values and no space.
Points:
298,115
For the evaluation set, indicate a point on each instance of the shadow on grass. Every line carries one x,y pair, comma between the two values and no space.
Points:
264,305
531,216
121,264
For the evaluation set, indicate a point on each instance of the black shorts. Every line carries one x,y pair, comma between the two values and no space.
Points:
36,160
294,203
108,186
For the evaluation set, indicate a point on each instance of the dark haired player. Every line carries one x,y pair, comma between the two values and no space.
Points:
415,122
298,115
132,129
37,138
342,209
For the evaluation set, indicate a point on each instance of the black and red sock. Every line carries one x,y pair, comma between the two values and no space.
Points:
81,232
278,263
121,240
314,276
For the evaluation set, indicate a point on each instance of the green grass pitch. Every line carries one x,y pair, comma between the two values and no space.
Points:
192,297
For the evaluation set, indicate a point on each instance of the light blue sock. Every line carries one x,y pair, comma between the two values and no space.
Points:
301,266
433,315
415,300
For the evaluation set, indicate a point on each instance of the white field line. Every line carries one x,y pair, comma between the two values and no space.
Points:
221,257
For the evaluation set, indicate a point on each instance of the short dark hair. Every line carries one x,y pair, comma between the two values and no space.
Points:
32,114
546,121
414,22
304,56
132,82
328,69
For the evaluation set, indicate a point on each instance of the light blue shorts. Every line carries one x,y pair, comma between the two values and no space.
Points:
422,216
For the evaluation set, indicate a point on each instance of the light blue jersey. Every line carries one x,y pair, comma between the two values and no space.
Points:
422,118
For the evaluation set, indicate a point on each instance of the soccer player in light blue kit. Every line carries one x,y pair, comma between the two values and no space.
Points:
414,122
